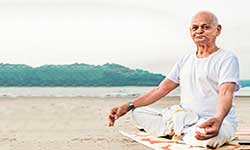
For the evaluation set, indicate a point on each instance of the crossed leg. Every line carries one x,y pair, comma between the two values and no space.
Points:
226,134
152,121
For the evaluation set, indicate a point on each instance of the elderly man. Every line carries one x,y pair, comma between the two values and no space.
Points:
207,78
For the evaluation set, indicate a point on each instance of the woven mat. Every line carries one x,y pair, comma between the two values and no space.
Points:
241,142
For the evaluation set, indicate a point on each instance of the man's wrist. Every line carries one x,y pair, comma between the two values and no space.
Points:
131,106
219,118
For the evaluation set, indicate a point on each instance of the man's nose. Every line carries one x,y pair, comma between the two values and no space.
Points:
200,30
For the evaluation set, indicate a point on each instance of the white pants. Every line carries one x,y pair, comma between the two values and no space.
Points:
153,122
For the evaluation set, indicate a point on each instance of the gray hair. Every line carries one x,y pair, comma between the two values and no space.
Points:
212,15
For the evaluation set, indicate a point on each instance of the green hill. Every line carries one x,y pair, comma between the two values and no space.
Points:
76,75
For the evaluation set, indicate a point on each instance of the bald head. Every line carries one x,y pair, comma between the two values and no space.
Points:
204,29
207,14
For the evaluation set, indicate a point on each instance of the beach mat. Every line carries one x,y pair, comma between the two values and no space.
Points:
243,135
241,142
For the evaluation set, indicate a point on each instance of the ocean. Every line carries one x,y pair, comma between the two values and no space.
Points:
104,92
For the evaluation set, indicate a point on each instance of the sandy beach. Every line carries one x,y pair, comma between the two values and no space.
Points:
49,123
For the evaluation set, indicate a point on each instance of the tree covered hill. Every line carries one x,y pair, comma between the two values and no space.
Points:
76,75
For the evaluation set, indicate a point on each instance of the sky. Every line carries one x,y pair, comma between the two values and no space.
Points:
145,34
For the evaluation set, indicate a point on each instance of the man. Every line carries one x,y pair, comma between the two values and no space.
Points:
207,78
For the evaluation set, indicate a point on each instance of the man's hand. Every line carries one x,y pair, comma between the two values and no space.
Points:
211,129
116,113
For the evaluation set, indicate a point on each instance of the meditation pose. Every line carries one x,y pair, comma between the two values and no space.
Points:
207,78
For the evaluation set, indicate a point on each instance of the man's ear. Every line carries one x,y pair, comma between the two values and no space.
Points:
218,28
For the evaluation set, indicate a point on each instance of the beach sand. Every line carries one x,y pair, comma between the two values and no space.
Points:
50,123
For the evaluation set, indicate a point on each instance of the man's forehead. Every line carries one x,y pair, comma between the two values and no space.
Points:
202,18
200,23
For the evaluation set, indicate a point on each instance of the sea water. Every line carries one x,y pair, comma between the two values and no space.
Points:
124,91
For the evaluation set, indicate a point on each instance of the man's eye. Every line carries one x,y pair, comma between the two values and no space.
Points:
206,27
194,28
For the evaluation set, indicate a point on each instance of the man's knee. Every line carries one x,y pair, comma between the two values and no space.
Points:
212,142
225,135
150,119
146,111
137,112
216,142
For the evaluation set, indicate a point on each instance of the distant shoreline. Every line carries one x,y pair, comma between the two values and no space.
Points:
87,97
96,92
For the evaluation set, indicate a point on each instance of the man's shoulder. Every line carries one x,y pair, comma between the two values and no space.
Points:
186,56
224,53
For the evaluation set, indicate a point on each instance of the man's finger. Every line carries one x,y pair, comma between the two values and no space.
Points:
111,120
114,111
210,130
202,136
111,124
206,124
199,137
118,113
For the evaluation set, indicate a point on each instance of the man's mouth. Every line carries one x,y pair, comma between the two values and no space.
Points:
200,36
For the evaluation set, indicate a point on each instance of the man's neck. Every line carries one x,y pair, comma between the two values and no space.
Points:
205,51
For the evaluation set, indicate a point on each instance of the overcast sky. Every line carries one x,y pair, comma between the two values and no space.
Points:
145,34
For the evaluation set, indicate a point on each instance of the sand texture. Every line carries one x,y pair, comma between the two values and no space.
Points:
50,123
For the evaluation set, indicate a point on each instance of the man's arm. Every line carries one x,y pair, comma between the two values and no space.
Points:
212,125
152,96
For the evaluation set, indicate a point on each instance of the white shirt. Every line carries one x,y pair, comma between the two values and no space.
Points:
200,79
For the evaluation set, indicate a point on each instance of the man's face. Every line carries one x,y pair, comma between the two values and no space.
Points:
203,30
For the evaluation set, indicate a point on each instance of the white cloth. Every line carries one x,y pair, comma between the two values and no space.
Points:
150,119
177,119
158,122
200,79
162,122
226,134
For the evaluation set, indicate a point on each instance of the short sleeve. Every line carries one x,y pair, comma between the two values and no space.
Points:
230,72
174,74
